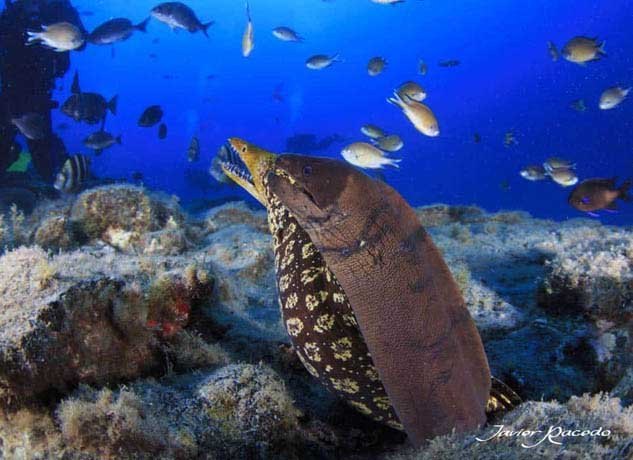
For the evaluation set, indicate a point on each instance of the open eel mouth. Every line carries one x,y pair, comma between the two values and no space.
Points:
241,161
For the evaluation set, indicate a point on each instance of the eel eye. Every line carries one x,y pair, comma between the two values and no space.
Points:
244,149
307,170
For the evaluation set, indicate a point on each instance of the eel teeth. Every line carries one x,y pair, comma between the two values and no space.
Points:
231,161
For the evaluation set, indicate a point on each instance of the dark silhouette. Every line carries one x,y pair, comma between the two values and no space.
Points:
27,78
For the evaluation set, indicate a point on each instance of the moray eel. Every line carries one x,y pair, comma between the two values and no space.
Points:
368,302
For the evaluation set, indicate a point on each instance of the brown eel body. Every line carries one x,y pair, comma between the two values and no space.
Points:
367,299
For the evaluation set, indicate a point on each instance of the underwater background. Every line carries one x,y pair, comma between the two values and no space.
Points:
505,81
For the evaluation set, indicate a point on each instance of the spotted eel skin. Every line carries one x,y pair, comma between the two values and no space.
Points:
320,320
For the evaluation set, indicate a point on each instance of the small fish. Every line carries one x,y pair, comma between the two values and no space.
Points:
391,143
248,39
372,131
61,36
162,131
33,126
558,163
612,97
74,172
215,170
449,63
581,50
422,68
533,173
387,2
88,107
150,116
553,51
193,152
376,65
286,34
179,16
418,114
597,194
578,105
564,177
476,138
101,140
321,61
115,30
505,185
412,90
509,139
137,176
365,155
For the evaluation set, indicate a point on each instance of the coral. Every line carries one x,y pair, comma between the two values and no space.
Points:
610,428
17,225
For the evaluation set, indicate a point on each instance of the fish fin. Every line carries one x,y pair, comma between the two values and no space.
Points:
593,214
626,91
624,190
75,89
337,58
142,26
112,105
502,398
118,139
248,12
205,27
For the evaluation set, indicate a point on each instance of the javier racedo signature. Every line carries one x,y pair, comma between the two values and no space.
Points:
554,435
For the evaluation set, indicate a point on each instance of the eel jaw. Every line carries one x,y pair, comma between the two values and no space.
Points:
246,164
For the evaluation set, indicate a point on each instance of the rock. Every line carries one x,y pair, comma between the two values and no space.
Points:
121,215
58,329
56,233
235,411
593,277
607,425
235,213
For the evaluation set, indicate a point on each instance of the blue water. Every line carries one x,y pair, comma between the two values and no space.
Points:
506,80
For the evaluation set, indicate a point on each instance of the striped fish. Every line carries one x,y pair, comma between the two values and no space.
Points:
75,171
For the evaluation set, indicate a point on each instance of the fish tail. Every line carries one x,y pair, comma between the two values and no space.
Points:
624,190
205,27
396,100
113,104
393,162
142,26
33,37
118,139
248,12
502,398
601,48
626,91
